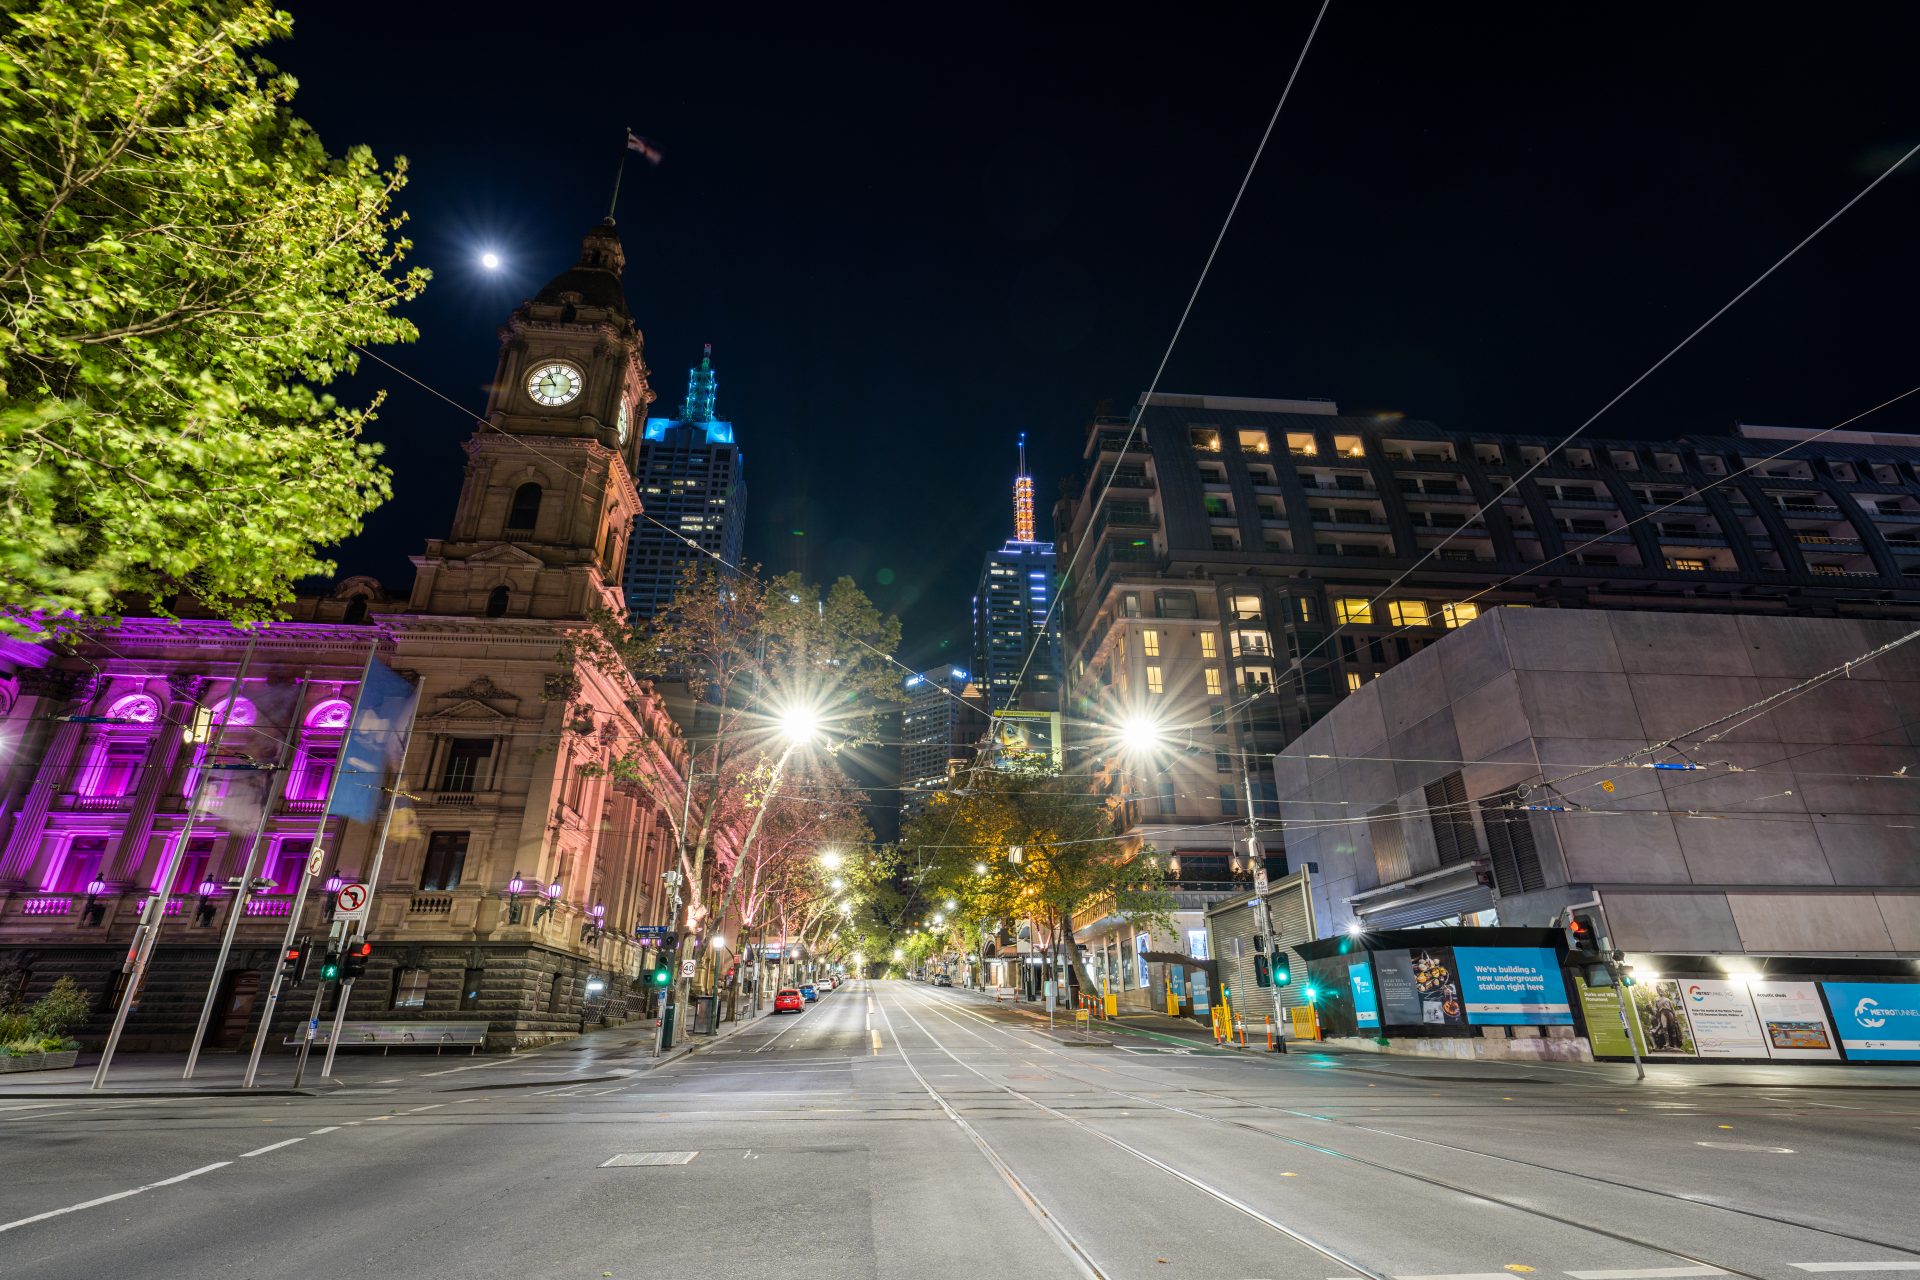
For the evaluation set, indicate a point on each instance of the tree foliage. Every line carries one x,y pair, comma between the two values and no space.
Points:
182,267
1013,844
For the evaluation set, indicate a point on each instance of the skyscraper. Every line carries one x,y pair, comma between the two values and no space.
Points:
934,727
692,481
1016,649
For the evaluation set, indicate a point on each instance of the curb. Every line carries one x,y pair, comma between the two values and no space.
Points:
173,1093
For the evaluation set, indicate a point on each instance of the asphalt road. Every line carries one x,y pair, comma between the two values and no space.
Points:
895,1130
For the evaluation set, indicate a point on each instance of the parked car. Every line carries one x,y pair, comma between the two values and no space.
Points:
809,992
789,1000
942,980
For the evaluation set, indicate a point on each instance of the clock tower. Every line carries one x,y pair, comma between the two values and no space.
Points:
548,500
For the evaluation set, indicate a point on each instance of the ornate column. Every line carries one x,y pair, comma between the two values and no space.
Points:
51,693
124,862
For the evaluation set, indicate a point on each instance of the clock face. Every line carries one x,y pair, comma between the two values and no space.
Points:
553,384
623,427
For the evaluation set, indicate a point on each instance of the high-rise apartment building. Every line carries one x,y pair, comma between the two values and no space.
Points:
694,491
1016,644
1241,565
935,723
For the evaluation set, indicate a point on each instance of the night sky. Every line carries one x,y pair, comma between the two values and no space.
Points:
907,244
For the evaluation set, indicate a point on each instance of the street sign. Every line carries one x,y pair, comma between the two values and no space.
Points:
316,860
355,902
655,931
686,967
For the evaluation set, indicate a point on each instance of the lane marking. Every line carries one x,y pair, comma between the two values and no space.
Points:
875,1033
1463,1275
118,1195
436,1106
260,1151
30,1106
314,1133
1856,1266
1646,1273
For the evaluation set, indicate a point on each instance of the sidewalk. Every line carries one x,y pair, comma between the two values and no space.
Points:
618,1051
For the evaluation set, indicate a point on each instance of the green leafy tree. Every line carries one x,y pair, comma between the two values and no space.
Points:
1013,844
182,267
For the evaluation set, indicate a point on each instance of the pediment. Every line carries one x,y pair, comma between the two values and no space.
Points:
467,709
508,554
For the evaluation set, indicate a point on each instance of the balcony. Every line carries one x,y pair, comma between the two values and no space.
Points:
1121,478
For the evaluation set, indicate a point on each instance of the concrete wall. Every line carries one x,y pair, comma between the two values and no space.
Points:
1800,836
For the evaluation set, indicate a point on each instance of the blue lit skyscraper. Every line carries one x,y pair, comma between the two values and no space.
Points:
1010,614
692,481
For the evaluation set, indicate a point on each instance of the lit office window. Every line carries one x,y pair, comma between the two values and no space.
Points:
1150,643
1154,684
1407,613
1209,645
1213,681
1353,682
1353,609
1459,615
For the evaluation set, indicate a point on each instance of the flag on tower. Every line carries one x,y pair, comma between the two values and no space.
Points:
645,148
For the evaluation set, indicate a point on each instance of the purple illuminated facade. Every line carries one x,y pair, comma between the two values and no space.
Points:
109,768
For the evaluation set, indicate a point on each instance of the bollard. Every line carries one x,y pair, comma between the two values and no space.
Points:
1269,1035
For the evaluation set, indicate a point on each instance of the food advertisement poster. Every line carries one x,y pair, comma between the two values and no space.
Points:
1664,1031
1419,988
1877,1021
1793,1021
1722,1017
1513,986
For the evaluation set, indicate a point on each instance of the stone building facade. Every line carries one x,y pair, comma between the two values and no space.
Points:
502,792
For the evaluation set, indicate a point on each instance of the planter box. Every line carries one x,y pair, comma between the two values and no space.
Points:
39,1061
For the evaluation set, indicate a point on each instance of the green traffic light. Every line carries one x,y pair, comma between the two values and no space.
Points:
661,977
329,972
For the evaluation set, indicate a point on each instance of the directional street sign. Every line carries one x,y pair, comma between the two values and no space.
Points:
354,903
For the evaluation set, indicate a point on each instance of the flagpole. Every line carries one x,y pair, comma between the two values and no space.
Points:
316,846
620,173
146,934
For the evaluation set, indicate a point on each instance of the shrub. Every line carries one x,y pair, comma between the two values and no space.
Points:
60,1011
13,1026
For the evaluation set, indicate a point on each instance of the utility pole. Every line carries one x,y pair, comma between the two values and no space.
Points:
372,881
147,934
1262,915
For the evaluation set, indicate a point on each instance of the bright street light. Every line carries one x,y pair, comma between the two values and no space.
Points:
846,908
952,905
799,723
719,941
831,859
1355,928
837,884
979,868
1140,733
938,918
898,954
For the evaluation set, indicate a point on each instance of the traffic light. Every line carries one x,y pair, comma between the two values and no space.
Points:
1583,933
1281,969
1260,978
294,963
330,966
1311,992
663,976
353,961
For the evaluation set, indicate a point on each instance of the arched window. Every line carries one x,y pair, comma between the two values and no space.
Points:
525,511
319,753
497,603
356,611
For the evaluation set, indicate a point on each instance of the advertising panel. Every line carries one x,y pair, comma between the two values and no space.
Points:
1877,1021
1722,1017
1793,1021
1662,1026
1366,1012
1606,1029
1513,986
1419,988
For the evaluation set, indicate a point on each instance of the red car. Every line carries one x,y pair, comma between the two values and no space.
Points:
788,1001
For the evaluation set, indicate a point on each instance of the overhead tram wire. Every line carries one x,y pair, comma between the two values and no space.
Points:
1577,432
584,479
1140,409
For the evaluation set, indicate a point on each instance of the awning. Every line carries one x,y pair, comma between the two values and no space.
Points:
1450,891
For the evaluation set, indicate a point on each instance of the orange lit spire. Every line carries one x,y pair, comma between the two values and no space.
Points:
1023,498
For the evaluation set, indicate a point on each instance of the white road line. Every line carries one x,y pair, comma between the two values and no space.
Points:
118,1195
1461,1275
474,1066
314,1133
1855,1266
30,1106
1646,1273
782,1031
435,1107
260,1151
